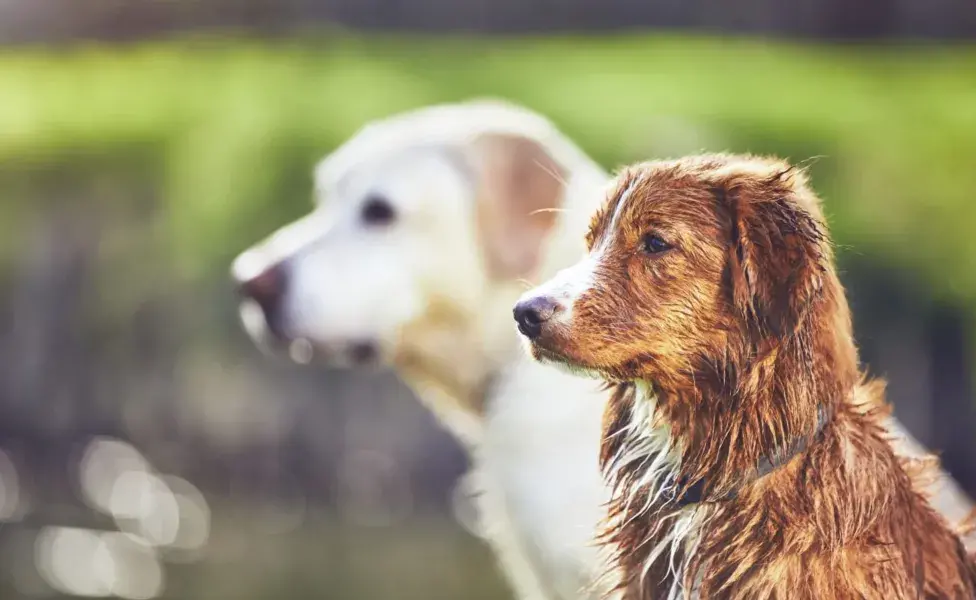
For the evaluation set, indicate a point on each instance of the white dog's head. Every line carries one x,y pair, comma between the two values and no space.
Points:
419,220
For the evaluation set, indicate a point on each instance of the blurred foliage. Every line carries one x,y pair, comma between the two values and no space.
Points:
228,129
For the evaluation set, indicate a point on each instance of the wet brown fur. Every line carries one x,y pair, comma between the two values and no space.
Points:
742,330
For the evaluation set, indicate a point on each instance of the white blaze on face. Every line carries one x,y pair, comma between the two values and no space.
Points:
568,285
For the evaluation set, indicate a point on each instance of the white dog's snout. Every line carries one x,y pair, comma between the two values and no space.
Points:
249,265
281,247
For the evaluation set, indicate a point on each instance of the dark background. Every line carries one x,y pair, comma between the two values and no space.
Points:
31,21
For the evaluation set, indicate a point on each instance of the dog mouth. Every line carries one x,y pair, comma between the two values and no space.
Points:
548,351
274,341
552,352
569,364
544,353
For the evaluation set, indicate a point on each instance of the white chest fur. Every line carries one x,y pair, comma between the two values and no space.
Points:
539,464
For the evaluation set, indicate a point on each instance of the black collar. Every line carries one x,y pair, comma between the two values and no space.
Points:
694,493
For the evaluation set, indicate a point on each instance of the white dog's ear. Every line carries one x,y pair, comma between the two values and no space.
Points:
520,188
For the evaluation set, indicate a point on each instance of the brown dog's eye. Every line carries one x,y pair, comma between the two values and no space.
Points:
653,244
377,211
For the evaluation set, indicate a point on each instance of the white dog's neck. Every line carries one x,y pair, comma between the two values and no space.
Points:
449,359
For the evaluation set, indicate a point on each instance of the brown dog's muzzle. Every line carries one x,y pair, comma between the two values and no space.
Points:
532,314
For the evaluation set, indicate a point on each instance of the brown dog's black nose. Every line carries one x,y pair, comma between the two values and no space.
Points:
266,288
531,314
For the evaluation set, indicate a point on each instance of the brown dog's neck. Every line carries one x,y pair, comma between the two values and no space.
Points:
713,459
768,390
688,492
729,425
713,429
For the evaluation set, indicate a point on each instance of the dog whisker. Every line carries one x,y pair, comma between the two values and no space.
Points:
555,175
552,209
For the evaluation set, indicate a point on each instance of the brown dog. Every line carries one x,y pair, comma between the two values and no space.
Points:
747,455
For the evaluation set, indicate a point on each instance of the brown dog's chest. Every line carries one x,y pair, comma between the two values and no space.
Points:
785,541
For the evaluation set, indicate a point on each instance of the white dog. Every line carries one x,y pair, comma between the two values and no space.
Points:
428,225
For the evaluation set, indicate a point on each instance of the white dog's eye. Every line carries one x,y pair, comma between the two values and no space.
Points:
377,211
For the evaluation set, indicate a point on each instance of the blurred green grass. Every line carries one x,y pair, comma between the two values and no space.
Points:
227,129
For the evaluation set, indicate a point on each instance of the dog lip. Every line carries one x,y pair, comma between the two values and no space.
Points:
363,352
541,350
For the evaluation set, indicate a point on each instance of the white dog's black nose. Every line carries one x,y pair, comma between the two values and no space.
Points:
266,288
532,314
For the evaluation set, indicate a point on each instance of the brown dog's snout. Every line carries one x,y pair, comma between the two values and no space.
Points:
532,314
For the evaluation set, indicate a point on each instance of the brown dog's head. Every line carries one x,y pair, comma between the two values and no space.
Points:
705,274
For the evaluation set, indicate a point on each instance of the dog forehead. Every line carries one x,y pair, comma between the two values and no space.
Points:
405,175
662,194
653,190
606,218
692,187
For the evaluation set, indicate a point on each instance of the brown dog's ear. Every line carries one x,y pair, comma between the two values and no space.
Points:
520,185
779,251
